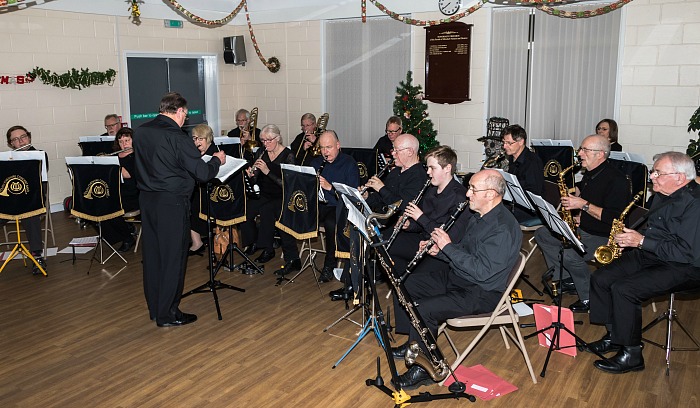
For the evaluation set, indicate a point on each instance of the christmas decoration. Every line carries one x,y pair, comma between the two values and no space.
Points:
409,105
272,64
201,20
74,79
693,149
135,11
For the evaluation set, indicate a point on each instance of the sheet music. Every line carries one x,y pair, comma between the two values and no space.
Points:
564,142
514,190
355,194
540,142
624,156
28,155
305,170
83,241
355,217
226,170
101,160
225,140
88,139
552,218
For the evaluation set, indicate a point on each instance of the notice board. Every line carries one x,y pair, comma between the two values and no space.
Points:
447,56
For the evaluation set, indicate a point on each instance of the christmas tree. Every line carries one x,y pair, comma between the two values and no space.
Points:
409,106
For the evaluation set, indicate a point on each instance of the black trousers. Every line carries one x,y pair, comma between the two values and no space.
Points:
327,217
32,227
264,235
441,295
619,289
165,222
116,230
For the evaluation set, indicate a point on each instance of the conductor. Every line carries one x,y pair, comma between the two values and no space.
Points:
168,164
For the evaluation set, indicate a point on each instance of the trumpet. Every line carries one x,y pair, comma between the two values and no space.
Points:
128,149
23,148
405,216
378,175
611,251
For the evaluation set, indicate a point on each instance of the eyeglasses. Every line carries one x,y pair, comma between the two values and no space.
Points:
110,126
587,150
399,149
201,139
268,140
657,174
393,131
601,128
510,143
474,190
19,138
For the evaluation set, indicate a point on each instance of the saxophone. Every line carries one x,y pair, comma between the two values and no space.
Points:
404,217
564,192
607,253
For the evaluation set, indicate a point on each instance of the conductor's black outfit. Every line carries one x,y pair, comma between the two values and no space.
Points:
167,164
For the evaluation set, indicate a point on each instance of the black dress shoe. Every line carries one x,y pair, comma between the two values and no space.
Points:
326,275
629,358
399,353
266,256
568,287
289,267
250,249
580,306
604,345
413,378
126,245
186,318
199,251
341,294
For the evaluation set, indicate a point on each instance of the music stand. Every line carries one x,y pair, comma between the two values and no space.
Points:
568,237
212,285
18,181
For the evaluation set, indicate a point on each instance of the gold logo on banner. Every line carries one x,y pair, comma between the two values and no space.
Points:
552,168
14,185
298,202
96,189
363,170
346,230
221,193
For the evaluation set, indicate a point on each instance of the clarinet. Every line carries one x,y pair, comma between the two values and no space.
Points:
445,227
251,187
379,175
404,217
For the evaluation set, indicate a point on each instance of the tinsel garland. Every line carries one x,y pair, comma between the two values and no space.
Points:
201,20
272,64
580,14
74,79
421,23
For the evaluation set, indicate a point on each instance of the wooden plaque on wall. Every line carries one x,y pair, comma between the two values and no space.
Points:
447,52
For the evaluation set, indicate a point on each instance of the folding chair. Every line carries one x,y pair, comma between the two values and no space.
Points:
502,315
134,218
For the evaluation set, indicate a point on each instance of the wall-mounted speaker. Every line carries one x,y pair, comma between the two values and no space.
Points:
234,50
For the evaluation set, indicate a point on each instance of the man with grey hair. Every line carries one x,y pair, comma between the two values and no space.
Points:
112,124
477,269
663,258
601,195
241,129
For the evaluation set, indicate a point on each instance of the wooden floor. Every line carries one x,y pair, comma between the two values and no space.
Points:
75,339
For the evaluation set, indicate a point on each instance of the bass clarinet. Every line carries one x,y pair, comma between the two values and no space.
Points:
404,217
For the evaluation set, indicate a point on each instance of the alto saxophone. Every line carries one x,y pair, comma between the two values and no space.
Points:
564,192
610,251
404,217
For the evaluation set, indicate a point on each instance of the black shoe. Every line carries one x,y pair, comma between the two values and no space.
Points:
399,353
186,318
199,251
127,245
568,287
276,243
580,306
267,255
326,275
250,249
289,267
413,378
35,269
604,345
629,358
341,294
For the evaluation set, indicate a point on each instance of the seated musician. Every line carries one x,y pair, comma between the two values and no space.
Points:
117,229
268,175
661,259
386,143
242,126
476,270
608,129
203,138
19,138
112,125
338,167
601,195
525,165
305,140
404,182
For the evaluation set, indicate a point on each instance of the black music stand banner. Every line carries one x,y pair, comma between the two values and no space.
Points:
21,189
556,159
96,191
299,215
228,201
342,232
366,162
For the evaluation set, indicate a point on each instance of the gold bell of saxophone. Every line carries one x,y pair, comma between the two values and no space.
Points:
605,254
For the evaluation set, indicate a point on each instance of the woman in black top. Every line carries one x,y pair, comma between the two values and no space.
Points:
608,128
267,174
203,137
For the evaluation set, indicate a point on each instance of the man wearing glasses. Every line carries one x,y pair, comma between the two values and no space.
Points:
385,143
112,124
657,261
525,165
600,197
305,140
476,270
242,124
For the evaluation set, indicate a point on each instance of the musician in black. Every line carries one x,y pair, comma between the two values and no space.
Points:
404,182
338,167
167,165
19,138
608,129
663,258
242,126
203,138
525,165
117,229
305,140
476,270
385,143
112,125
601,195
268,175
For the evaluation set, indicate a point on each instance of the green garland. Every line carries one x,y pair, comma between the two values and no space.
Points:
74,79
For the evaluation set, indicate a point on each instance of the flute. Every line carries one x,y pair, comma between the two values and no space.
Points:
128,149
20,149
378,175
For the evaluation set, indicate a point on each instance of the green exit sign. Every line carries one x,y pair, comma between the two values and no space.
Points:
173,24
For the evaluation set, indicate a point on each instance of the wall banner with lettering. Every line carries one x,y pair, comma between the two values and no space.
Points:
447,55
